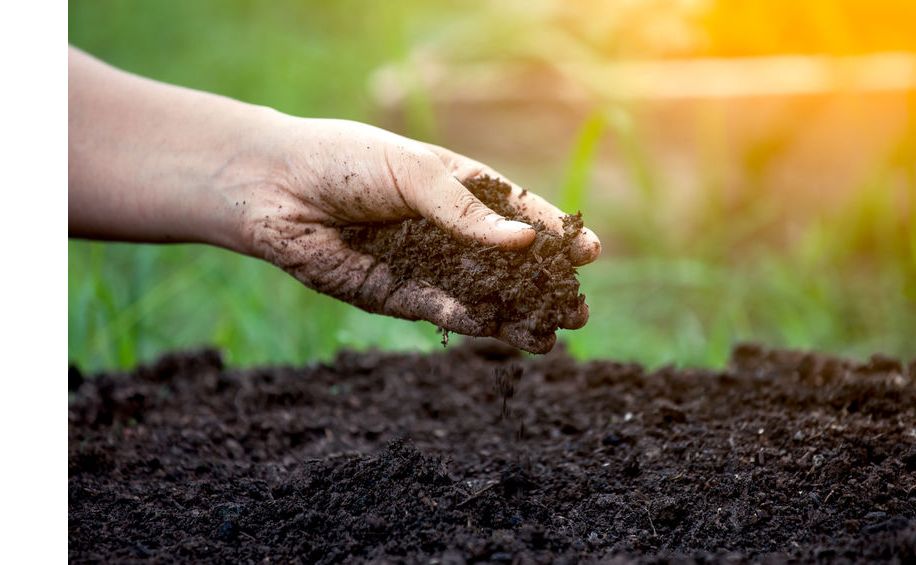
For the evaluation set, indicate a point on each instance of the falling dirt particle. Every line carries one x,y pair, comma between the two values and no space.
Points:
506,379
520,434
444,340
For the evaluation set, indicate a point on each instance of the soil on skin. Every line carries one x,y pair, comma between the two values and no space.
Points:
537,284
403,457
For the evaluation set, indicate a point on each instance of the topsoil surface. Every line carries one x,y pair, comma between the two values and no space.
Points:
537,284
481,455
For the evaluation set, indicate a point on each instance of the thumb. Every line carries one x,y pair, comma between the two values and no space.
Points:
453,208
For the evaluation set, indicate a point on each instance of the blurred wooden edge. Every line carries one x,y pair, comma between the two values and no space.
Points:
577,83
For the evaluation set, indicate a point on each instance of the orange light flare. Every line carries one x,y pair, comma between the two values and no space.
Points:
802,105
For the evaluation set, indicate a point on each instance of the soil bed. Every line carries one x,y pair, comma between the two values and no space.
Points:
479,454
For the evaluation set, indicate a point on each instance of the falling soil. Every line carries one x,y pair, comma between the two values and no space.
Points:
537,284
404,457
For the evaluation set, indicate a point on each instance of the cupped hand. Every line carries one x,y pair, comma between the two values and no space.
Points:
326,174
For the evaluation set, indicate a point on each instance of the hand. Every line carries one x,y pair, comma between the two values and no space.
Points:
330,173
157,163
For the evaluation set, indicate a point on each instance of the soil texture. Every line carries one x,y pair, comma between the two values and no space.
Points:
536,285
480,454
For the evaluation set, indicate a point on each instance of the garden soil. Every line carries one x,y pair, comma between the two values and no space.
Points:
480,454
537,284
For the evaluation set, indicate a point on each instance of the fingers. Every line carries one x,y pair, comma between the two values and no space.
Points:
316,256
521,333
518,334
451,206
415,301
575,319
585,248
320,260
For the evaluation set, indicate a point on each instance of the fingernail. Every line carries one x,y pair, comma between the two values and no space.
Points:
509,225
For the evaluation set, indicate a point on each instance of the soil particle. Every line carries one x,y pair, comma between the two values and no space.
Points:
537,284
399,458
505,380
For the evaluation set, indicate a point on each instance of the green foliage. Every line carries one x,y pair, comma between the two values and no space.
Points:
129,302
581,162
662,293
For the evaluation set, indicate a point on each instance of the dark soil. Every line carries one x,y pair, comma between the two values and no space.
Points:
537,284
385,457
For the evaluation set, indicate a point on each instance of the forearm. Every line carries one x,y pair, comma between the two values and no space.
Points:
158,163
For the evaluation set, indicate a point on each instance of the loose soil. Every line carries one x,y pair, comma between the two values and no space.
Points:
481,454
537,284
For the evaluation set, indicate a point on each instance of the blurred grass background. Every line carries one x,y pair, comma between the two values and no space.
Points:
843,282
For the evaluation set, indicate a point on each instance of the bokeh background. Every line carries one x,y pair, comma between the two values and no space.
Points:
749,165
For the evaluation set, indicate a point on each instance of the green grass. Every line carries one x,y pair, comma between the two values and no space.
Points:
846,285
129,302
581,163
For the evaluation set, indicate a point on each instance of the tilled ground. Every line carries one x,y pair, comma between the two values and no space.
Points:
478,454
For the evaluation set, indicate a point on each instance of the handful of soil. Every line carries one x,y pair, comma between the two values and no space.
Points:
535,285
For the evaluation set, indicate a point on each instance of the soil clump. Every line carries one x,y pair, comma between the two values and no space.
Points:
536,284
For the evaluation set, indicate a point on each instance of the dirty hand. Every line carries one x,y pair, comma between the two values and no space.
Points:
331,173
158,163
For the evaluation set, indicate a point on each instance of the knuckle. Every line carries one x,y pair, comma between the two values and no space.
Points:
416,159
411,168
467,206
468,171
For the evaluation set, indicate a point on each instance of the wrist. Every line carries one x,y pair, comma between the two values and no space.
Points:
251,167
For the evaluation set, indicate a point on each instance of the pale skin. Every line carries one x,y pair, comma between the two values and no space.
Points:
151,162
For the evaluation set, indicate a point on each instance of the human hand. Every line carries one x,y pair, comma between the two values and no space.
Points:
153,162
326,174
